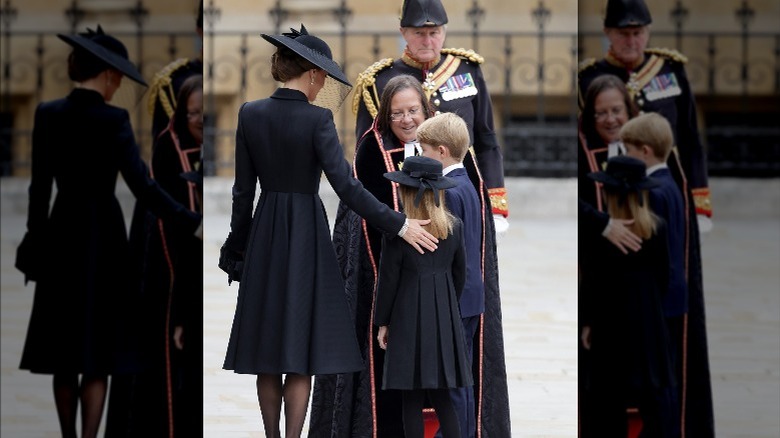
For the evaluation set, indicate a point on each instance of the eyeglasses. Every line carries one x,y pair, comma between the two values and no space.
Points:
194,115
397,117
614,112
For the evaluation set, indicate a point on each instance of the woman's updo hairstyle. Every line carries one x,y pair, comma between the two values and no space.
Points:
83,65
286,65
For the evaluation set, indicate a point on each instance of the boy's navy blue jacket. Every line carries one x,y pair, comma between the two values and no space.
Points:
463,202
666,201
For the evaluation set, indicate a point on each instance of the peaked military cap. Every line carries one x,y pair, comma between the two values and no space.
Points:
627,13
421,13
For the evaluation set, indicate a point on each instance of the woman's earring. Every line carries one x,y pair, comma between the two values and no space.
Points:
311,82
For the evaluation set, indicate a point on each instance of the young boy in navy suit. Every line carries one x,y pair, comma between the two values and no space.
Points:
445,138
649,138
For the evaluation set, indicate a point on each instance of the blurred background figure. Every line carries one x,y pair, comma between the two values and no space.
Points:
79,329
35,71
167,394
163,92
656,81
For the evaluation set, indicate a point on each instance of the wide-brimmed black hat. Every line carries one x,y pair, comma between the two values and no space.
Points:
310,48
421,13
627,13
423,173
107,48
624,175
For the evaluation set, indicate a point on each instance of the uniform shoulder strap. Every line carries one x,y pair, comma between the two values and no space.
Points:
465,54
585,64
162,87
671,54
365,84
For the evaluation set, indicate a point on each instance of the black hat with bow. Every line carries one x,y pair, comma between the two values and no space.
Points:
107,48
421,13
627,13
310,48
423,173
624,175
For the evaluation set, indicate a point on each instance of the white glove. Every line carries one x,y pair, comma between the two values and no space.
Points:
501,224
705,223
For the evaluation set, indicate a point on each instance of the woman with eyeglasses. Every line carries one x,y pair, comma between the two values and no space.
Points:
607,107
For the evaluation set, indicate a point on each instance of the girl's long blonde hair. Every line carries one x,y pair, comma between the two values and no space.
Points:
441,218
627,207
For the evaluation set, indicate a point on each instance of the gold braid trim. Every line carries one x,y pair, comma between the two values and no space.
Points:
441,75
637,80
463,53
498,201
668,53
701,199
585,64
581,67
366,80
162,87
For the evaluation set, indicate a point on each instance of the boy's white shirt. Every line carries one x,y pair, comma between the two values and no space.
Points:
654,167
452,167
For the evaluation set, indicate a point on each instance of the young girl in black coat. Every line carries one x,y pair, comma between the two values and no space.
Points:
417,303
622,315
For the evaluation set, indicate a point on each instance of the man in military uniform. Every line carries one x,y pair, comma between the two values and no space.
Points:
657,82
166,83
452,80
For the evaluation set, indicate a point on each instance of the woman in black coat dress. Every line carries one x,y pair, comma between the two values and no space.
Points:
80,245
292,315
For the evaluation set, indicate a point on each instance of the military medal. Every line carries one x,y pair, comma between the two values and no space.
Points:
632,85
662,86
429,84
457,87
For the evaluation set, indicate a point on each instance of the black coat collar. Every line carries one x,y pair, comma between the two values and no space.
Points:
85,95
289,94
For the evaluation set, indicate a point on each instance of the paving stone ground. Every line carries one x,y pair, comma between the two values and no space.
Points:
537,260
